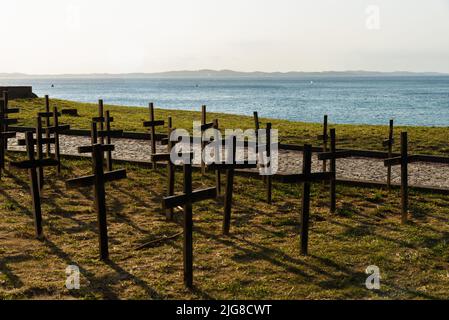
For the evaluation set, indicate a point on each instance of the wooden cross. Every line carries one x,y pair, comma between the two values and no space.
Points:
100,135
230,165
47,123
98,180
256,127
152,124
203,128
4,133
325,138
165,157
186,199
54,129
268,179
333,155
4,116
403,160
389,144
32,164
306,177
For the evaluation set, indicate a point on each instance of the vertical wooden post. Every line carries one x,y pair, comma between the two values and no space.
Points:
101,114
152,133
57,150
5,126
39,151
47,124
305,212
3,140
170,170
333,169
390,152
108,140
325,139
256,127
231,155
404,176
203,122
188,227
217,158
100,201
93,133
269,178
34,187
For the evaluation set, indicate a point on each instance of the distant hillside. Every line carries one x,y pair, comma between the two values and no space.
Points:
206,73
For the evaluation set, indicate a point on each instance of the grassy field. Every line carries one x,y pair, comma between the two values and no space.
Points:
259,260
426,140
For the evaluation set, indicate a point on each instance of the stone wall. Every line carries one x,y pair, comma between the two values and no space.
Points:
19,92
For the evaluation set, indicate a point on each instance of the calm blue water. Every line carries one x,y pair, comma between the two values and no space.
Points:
368,100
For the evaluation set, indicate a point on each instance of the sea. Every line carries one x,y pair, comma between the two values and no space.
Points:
409,100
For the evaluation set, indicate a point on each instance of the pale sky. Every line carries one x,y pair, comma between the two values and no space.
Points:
116,36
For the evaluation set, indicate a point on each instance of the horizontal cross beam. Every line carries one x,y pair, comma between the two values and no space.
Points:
312,177
12,110
47,114
58,129
102,119
206,126
226,166
22,142
159,157
196,196
8,134
334,155
35,163
110,133
90,180
89,149
398,160
155,123
8,121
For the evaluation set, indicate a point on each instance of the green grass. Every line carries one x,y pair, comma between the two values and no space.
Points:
427,140
259,260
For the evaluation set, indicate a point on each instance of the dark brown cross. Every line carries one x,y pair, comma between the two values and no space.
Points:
152,124
268,179
256,127
98,136
5,120
403,160
4,133
230,165
205,126
39,141
47,115
333,155
32,164
306,177
54,129
165,157
186,199
389,144
324,138
98,180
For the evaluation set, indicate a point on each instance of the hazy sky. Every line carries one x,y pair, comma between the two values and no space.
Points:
85,36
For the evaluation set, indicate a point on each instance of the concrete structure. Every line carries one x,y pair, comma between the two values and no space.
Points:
18,92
